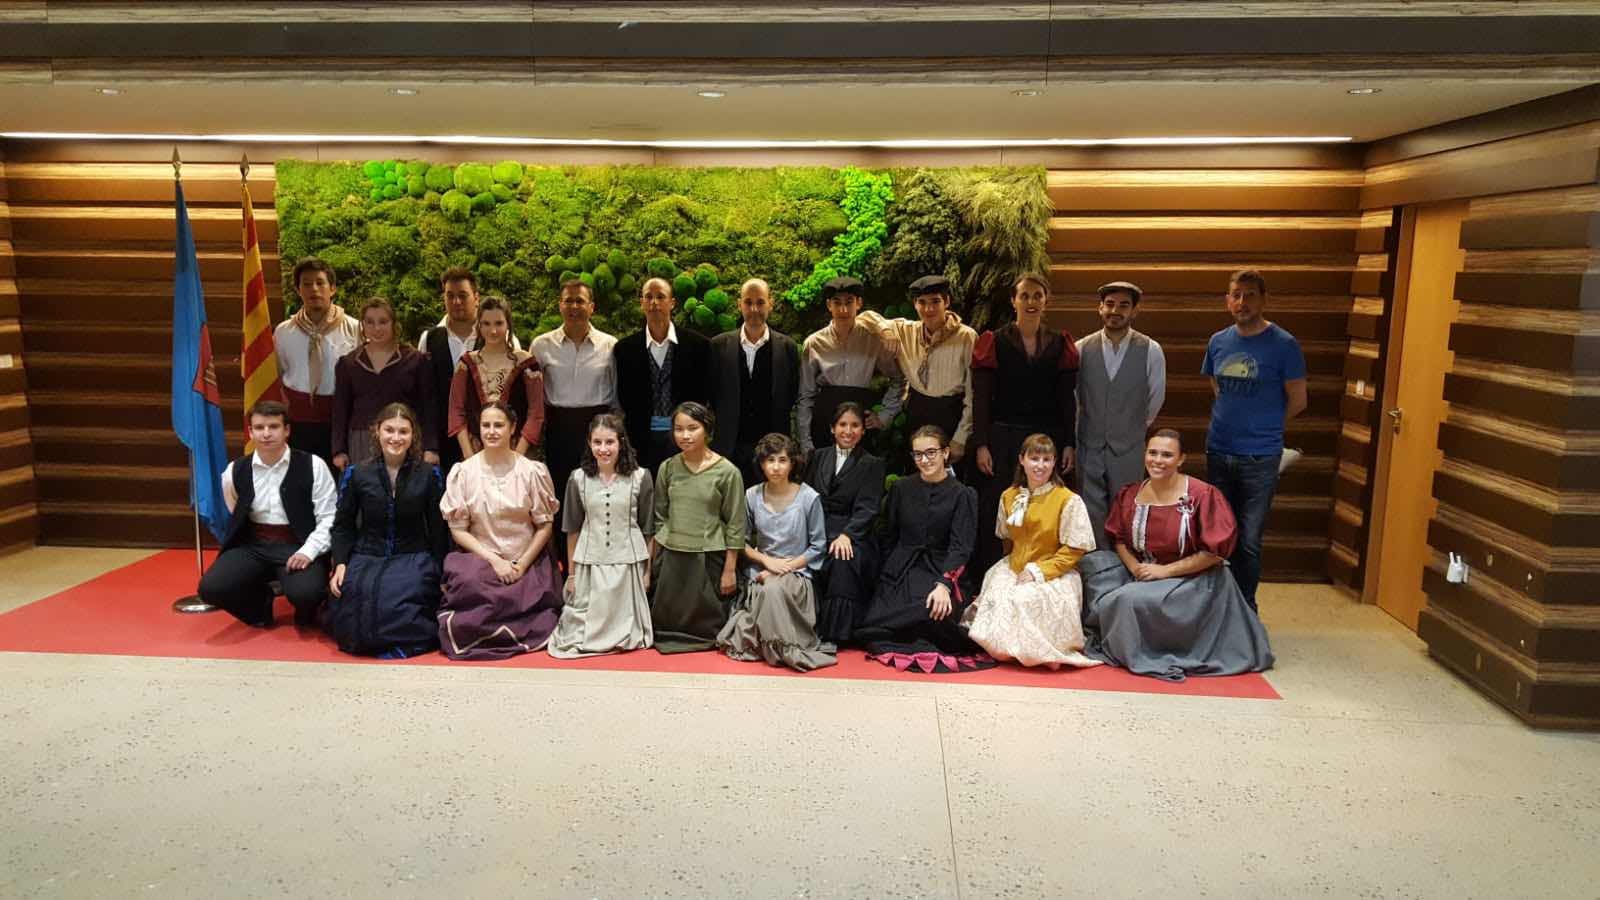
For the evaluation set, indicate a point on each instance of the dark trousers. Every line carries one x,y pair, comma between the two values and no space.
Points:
744,456
659,447
1005,442
1248,482
449,455
566,434
239,582
315,438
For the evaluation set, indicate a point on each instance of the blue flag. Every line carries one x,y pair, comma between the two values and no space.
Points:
196,403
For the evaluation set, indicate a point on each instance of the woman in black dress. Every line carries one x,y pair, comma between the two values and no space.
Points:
388,541
913,620
850,481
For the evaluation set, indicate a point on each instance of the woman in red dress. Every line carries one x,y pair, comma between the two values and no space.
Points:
1164,604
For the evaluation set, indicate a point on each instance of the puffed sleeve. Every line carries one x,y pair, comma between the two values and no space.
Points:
1001,529
1069,352
542,502
455,504
532,381
647,502
1076,536
345,519
734,513
1216,527
662,500
963,533
1119,518
458,401
438,533
572,505
816,532
343,401
983,352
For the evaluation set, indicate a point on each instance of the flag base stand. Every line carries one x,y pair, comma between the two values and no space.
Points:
192,603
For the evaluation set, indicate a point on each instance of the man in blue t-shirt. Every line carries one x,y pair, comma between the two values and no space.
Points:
1258,376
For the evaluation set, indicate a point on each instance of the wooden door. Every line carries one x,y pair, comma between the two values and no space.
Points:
1413,405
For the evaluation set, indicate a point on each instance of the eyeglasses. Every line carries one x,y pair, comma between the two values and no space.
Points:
923,455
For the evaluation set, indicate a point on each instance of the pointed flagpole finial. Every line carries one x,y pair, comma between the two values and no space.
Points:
244,167
177,163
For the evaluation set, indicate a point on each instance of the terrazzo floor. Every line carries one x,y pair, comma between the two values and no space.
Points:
1378,775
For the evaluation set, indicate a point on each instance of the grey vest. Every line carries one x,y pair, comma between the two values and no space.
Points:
1111,411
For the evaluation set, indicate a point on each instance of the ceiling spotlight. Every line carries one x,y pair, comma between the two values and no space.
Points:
712,95
1025,92
1363,92
404,92
109,92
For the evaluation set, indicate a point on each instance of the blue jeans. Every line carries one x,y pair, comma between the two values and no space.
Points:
1248,482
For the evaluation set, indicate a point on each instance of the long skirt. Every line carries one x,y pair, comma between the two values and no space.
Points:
1035,624
897,631
687,610
359,445
606,612
1172,628
775,620
843,588
388,606
480,618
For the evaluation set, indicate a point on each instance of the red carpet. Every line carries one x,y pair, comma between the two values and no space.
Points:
128,613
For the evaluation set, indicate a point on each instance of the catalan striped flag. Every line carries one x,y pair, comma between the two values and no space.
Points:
258,358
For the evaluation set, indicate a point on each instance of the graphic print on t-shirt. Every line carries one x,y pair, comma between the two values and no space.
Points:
1238,375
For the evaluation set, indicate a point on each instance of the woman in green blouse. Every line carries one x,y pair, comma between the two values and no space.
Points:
700,526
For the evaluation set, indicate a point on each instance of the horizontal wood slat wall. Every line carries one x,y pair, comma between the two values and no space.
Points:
94,245
1519,487
1356,454
94,241
19,513
1178,233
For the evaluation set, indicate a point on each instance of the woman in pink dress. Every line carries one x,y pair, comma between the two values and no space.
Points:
1164,603
502,595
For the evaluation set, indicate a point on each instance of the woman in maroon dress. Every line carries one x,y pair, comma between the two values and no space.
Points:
1164,603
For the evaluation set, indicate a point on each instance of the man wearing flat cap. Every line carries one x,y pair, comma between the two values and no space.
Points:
935,355
1122,382
838,364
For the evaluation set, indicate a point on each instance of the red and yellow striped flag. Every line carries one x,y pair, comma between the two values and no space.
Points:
258,359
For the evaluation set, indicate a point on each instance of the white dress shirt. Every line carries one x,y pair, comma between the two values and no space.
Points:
458,345
266,508
751,348
1155,369
658,349
842,458
577,373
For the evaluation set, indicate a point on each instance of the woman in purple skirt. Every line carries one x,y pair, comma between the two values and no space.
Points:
502,595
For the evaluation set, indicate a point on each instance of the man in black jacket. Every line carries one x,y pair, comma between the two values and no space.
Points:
283,502
659,367
755,381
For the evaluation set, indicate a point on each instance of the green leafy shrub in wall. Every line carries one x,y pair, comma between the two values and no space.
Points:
528,228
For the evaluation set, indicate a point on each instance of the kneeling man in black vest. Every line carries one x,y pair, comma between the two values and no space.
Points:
283,503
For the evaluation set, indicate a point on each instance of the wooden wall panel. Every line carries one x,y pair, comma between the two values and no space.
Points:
19,514
93,242
1519,488
1178,233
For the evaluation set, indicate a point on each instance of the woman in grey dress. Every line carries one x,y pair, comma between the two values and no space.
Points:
609,520
775,616
1164,604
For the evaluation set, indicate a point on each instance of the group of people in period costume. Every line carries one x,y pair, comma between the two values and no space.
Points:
723,494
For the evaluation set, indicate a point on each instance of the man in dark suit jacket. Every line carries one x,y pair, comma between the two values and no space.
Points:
658,368
755,381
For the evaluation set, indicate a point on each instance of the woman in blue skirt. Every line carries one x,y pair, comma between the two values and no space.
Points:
388,541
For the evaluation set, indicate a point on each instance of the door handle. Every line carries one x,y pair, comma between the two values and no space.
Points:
1395,415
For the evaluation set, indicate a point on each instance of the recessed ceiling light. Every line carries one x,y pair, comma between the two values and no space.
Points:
1025,92
404,92
712,95
1362,92
109,92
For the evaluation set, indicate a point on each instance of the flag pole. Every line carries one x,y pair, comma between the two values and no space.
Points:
191,603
